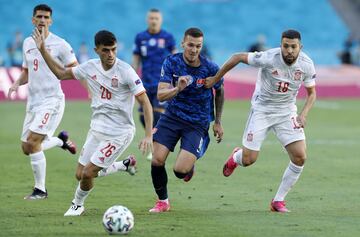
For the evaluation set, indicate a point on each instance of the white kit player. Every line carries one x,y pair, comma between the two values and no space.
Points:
45,103
281,73
113,85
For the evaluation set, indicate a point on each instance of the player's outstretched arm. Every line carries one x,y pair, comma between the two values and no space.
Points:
219,104
60,72
234,60
22,80
146,144
309,102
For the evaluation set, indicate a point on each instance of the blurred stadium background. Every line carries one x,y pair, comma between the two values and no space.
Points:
325,201
327,28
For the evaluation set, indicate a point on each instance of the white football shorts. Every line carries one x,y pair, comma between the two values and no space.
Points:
44,121
103,150
259,123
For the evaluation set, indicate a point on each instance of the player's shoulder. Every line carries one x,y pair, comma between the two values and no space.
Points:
28,41
165,33
122,65
208,63
91,63
141,34
174,58
273,52
304,59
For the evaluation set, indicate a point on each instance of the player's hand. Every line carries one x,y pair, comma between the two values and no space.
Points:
209,82
146,145
183,82
301,120
12,89
218,132
39,38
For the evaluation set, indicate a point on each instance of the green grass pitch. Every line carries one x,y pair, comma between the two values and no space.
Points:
324,202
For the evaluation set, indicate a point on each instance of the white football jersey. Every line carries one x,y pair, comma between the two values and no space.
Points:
277,84
44,87
112,95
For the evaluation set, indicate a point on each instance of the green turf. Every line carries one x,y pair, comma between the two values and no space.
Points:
325,201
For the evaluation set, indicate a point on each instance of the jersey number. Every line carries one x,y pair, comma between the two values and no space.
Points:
105,93
108,150
36,64
46,118
283,86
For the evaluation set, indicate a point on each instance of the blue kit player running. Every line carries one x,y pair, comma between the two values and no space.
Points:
151,48
188,115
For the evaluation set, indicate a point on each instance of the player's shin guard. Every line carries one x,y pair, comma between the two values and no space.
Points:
159,179
291,175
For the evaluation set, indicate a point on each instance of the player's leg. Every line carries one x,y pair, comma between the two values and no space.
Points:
165,138
159,177
255,132
293,139
32,147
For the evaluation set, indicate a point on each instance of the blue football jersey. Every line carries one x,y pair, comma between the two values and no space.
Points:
195,103
153,49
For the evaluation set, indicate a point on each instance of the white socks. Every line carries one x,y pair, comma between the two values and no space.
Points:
238,157
38,164
51,142
115,167
80,196
291,175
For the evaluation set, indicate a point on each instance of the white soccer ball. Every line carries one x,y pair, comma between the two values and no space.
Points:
118,220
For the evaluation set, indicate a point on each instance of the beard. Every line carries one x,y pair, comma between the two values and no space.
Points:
289,59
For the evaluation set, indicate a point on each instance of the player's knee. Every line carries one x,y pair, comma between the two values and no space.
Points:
299,160
25,149
78,176
86,174
179,175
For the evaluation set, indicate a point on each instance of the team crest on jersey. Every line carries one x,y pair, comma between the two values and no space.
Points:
275,73
115,83
250,137
161,43
297,75
200,82
152,42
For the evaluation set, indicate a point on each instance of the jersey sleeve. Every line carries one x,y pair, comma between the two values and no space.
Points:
136,47
310,76
258,59
172,43
67,55
79,71
24,63
166,72
135,84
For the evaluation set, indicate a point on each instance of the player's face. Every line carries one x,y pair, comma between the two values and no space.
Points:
192,48
290,49
154,21
42,20
107,55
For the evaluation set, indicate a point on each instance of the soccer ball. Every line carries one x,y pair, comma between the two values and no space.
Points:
118,220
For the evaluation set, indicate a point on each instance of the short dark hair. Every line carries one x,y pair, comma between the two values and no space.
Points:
154,10
291,34
42,7
194,32
104,37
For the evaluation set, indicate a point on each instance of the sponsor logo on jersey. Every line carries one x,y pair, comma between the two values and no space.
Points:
297,75
115,83
152,42
250,137
200,82
161,43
